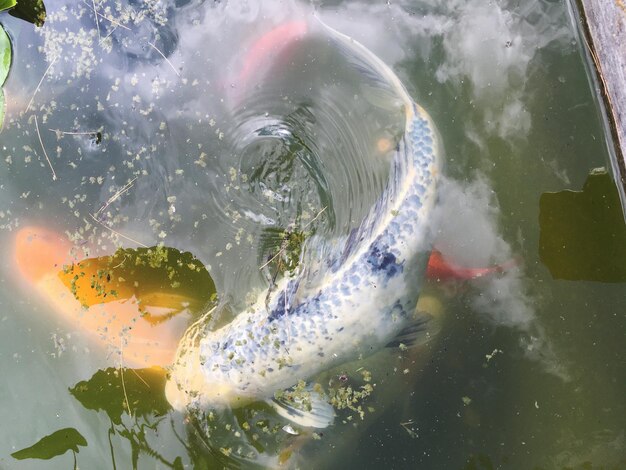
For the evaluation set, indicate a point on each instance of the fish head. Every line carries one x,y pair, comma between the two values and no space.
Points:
39,251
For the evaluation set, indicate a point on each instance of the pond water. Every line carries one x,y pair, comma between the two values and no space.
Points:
236,130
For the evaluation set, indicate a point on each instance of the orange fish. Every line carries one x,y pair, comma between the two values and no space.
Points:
262,51
142,328
444,270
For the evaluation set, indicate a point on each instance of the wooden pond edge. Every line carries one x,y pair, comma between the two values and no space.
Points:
603,27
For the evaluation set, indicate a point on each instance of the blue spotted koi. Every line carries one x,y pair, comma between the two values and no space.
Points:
361,300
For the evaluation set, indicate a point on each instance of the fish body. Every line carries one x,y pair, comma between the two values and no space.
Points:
270,43
361,299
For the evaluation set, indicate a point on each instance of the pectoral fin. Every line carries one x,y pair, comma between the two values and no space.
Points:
311,411
424,325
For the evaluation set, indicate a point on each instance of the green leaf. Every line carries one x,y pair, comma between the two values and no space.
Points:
6,4
583,234
32,11
5,55
57,443
144,389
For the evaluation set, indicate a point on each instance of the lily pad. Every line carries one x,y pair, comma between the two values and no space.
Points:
583,234
108,390
57,443
6,4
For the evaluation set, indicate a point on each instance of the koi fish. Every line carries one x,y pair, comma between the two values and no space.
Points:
271,42
143,330
440,269
261,52
360,300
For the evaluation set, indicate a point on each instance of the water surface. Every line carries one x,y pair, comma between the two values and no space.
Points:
222,151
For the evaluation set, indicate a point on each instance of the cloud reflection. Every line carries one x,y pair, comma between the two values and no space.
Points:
467,229
484,47
490,47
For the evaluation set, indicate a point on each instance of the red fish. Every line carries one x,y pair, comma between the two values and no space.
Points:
264,49
443,270
271,43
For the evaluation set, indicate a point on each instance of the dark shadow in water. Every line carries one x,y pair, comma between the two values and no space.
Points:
52,445
582,233
153,275
136,393
33,11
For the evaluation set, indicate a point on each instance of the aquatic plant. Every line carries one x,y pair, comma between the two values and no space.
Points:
53,445
5,65
6,4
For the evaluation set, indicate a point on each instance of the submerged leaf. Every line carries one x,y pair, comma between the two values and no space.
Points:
157,277
583,234
108,390
57,443
33,11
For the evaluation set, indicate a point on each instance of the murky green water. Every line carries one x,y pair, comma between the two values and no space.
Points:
222,148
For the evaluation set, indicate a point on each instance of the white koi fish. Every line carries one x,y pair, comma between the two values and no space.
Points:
363,299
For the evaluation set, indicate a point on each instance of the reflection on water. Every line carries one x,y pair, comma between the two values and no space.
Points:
198,126
583,233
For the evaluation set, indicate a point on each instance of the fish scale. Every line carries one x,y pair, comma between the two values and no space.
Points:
360,301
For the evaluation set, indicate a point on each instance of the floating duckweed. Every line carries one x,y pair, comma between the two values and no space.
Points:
348,398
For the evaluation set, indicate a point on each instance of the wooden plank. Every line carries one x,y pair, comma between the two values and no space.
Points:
605,22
